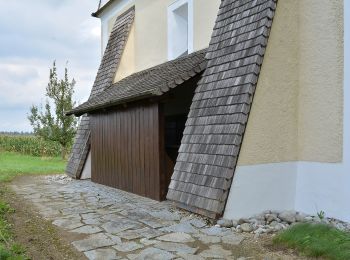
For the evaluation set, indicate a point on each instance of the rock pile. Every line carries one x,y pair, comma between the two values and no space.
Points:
274,221
59,178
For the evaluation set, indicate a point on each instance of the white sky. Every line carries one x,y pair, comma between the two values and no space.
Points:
32,35
36,32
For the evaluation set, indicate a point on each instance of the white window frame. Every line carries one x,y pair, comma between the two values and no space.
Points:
171,8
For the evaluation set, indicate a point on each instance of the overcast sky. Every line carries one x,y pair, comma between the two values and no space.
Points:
32,35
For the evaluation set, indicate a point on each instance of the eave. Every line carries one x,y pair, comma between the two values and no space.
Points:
102,9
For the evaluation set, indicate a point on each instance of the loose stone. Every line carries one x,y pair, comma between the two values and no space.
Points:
234,223
225,223
246,227
287,216
232,239
215,231
198,223
243,220
300,217
270,217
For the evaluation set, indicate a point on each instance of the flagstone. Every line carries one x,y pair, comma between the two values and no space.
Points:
184,227
128,246
176,247
87,230
116,227
176,237
67,223
152,253
105,254
93,242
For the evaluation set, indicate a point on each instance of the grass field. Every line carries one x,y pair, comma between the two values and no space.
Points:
14,164
317,240
11,165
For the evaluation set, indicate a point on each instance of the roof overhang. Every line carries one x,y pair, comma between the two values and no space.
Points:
153,82
79,112
102,9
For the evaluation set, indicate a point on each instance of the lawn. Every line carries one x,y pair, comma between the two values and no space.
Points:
11,165
14,164
317,240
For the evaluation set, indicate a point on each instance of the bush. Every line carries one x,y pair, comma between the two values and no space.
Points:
30,145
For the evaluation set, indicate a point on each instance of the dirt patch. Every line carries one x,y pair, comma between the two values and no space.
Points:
40,239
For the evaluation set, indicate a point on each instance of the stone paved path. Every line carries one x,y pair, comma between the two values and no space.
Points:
120,225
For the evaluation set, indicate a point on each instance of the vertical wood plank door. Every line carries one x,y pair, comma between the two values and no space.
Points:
125,149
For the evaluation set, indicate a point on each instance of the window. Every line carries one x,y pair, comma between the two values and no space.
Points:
180,28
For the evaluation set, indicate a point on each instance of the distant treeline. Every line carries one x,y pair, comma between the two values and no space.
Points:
16,133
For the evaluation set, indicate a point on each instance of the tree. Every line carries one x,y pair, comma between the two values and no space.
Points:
53,124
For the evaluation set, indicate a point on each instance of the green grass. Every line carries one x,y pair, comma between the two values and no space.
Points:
11,165
14,164
316,240
8,249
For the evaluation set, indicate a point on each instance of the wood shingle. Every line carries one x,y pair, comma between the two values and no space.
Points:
217,120
106,72
154,81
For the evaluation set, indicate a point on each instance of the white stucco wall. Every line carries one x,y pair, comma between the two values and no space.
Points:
320,75
260,187
326,186
86,173
116,7
150,44
303,186
272,128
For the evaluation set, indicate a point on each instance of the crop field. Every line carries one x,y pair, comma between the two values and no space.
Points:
28,155
29,145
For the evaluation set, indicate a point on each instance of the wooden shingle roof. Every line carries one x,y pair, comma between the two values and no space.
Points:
106,72
154,81
217,120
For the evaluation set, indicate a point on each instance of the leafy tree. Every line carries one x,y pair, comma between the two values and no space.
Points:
52,123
